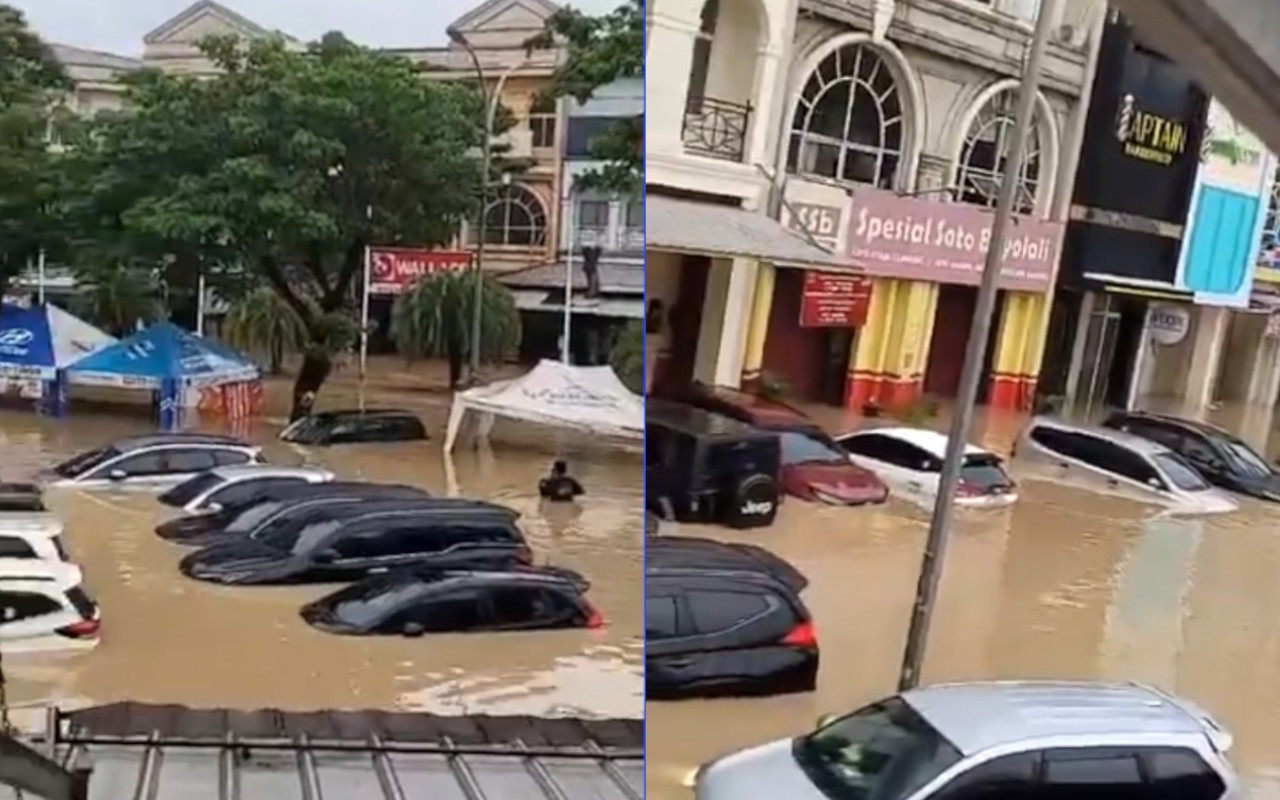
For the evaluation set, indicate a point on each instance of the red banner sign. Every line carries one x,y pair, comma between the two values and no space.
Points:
834,300
392,270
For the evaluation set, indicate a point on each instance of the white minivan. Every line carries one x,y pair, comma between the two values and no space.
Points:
152,462
1119,463
909,461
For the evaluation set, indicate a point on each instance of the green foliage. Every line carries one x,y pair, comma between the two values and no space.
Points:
601,50
31,173
281,170
626,356
116,300
263,324
434,318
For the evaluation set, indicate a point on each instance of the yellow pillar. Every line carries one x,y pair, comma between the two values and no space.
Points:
758,324
1019,350
887,365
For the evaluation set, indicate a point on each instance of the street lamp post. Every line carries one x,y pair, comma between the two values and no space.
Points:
975,352
492,99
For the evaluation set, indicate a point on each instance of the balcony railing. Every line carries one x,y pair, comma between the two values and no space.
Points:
716,128
611,240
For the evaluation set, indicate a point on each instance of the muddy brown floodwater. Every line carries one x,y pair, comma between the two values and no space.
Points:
1064,584
168,639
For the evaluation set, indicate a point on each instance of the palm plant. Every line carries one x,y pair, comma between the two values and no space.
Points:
433,319
118,300
262,323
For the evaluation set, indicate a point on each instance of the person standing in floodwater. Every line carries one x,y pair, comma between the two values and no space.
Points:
559,486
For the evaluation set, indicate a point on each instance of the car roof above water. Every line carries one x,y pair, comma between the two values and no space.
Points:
146,440
980,716
1127,440
251,471
699,422
345,508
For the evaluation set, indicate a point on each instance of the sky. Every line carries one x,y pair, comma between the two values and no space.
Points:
118,27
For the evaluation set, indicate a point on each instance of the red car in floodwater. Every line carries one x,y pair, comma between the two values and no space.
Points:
814,467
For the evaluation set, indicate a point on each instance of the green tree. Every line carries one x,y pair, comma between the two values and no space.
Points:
600,50
433,319
626,356
31,84
282,169
116,300
261,322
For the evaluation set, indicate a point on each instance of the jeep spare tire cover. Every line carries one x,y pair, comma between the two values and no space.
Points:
753,503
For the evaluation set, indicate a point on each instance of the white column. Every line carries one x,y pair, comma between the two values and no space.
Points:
711,330
726,311
766,107
1206,354
675,28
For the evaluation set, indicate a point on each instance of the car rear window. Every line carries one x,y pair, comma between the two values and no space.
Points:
1179,472
984,472
187,491
80,601
885,750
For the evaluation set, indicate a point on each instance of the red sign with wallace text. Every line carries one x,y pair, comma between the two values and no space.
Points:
834,300
392,270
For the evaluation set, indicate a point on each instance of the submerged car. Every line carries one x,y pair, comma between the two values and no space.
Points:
417,601
814,467
1010,739
241,517
354,426
25,517
1119,462
152,462
909,460
1223,459
327,549
21,498
44,607
224,486
724,620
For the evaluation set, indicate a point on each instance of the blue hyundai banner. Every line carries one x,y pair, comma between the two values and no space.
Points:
26,343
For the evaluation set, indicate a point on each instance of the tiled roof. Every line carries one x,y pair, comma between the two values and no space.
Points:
80,57
138,750
615,278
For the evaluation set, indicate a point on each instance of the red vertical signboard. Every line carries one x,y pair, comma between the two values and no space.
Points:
834,300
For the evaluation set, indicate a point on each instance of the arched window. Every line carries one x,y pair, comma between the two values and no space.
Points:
702,55
517,217
848,124
986,150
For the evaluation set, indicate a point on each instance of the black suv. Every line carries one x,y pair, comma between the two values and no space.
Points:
417,601
704,467
328,547
1223,459
724,620
355,426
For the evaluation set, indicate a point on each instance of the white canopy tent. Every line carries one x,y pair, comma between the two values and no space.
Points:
589,399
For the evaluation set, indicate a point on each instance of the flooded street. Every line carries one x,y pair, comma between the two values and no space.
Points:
168,639
1064,584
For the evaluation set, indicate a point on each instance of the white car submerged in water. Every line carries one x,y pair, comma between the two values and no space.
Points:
909,460
152,462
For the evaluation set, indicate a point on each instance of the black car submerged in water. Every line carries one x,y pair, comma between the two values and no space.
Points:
325,548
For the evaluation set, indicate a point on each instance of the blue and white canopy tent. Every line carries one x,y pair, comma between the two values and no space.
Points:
165,359
38,343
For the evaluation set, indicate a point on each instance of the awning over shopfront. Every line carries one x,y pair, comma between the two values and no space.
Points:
553,301
704,229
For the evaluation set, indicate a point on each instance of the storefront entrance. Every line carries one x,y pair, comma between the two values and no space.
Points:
952,324
1112,342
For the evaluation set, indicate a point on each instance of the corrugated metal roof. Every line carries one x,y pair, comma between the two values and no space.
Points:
176,753
685,226
615,278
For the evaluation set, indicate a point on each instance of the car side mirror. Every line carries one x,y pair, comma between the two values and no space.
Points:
826,719
1155,483
117,475
413,630
214,508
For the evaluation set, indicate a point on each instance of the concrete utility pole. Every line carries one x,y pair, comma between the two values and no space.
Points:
974,356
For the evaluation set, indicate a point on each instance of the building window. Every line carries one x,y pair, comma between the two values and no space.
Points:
593,215
848,124
986,151
702,57
542,123
635,215
517,217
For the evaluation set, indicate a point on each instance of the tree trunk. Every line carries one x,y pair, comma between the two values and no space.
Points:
277,357
315,370
455,368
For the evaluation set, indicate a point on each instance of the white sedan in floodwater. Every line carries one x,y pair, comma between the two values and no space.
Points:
909,461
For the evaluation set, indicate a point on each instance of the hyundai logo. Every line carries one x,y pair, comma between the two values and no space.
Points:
16,337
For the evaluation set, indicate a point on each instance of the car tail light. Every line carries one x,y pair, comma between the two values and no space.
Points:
803,635
966,490
83,629
594,618
525,556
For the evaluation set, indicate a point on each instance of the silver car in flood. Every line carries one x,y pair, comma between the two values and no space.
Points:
1016,739
151,462
1117,462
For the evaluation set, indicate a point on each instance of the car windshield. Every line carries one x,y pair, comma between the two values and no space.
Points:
1245,459
885,751
249,518
365,604
78,465
801,447
984,472
1179,472
187,491
309,430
